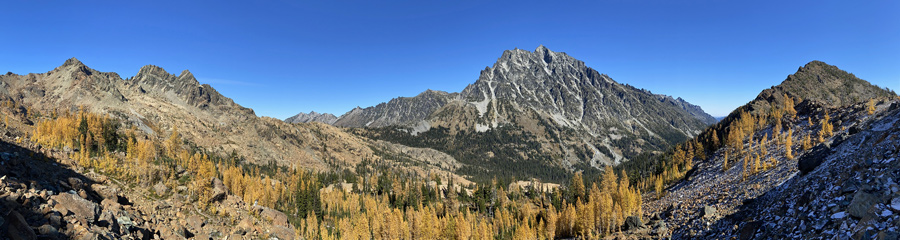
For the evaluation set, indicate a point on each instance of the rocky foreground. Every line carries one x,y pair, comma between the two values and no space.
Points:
44,196
847,187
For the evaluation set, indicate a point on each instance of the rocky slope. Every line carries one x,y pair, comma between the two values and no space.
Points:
540,108
326,118
840,187
158,103
45,195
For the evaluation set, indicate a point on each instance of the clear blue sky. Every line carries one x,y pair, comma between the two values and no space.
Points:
285,57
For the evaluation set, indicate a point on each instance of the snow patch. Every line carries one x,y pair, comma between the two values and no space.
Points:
481,128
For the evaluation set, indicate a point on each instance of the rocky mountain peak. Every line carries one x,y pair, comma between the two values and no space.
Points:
148,70
74,66
186,74
821,82
312,116
157,77
72,62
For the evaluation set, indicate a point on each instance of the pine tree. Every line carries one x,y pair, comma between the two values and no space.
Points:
789,106
756,164
826,129
725,162
699,150
746,161
714,139
658,186
870,106
172,143
577,187
788,142
689,157
807,143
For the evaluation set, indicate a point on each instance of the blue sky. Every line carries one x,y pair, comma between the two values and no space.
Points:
285,57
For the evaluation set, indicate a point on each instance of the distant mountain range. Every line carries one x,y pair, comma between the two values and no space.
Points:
313,116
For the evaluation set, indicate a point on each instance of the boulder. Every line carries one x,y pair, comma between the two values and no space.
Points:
17,228
809,161
861,203
709,211
82,208
55,219
660,228
895,204
633,223
195,222
76,183
277,218
48,230
108,220
125,222
219,190
281,232
106,192
160,188
749,230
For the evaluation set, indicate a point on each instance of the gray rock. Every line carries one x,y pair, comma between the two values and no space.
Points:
195,222
709,211
849,186
160,188
17,228
82,208
277,218
861,203
633,223
219,190
895,204
76,183
660,228
55,219
106,192
46,229
107,218
125,221
809,161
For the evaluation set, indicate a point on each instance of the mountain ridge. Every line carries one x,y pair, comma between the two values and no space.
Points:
579,117
312,116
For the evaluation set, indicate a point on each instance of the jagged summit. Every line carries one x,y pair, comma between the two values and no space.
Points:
186,74
72,62
576,115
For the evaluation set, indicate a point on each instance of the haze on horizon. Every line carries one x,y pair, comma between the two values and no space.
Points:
281,58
